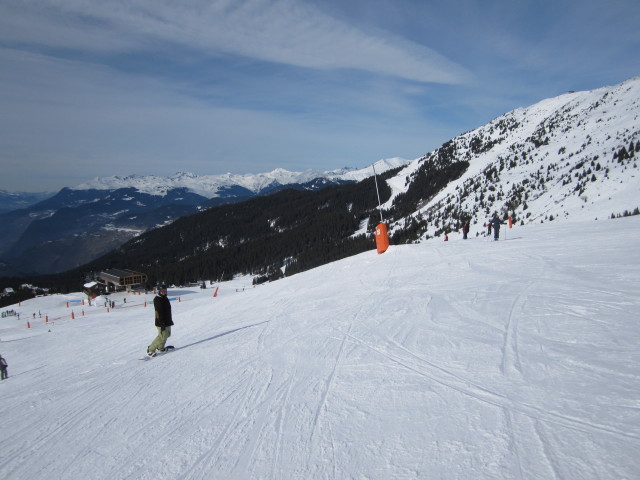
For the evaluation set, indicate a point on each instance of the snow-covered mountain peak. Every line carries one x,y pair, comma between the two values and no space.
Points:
210,185
572,156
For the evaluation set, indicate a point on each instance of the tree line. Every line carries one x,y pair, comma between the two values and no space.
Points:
268,237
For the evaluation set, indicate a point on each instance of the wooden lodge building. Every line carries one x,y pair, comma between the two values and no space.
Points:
123,279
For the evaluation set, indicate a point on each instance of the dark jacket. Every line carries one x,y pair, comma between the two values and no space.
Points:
495,222
163,311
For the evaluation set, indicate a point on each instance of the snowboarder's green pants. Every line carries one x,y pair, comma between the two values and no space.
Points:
158,343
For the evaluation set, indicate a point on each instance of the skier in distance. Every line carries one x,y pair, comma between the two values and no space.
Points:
495,223
3,368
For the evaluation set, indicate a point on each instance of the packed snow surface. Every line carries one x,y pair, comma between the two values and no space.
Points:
475,359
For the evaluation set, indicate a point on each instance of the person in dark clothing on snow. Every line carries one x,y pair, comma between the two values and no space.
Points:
3,368
162,306
495,223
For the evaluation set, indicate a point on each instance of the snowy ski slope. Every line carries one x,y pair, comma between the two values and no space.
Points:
471,359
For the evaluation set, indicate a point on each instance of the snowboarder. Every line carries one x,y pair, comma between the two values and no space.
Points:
495,223
163,322
3,368
465,231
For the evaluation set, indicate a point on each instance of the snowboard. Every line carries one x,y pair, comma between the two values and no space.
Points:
167,349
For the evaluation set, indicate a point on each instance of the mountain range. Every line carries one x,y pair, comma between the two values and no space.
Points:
572,157
78,224
16,200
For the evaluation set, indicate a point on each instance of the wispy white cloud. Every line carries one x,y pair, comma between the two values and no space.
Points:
65,120
288,32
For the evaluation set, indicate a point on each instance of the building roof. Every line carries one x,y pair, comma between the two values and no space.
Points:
120,273
123,276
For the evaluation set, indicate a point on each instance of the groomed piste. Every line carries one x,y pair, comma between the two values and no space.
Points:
466,359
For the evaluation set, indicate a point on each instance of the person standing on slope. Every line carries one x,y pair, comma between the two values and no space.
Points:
495,223
3,368
465,230
162,306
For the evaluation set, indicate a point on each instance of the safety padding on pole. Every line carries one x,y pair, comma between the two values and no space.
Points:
215,294
382,238
510,222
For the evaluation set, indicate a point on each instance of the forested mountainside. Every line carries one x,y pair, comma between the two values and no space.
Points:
287,232
79,224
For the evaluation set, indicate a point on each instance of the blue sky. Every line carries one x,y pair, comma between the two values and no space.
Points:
98,88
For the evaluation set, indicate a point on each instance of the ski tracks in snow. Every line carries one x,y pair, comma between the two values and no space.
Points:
470,388
322,405
258,434
510,355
